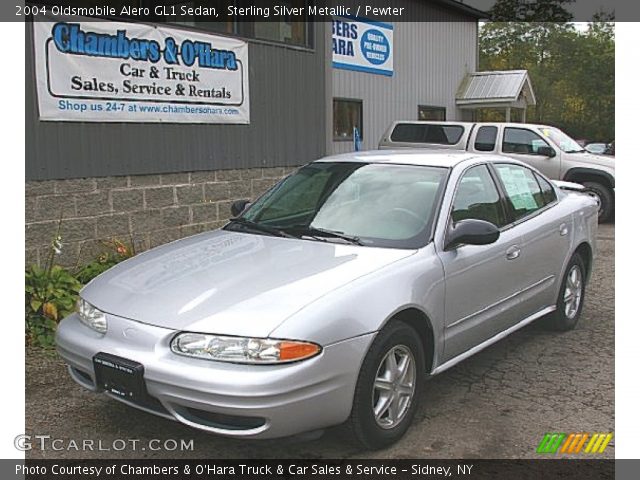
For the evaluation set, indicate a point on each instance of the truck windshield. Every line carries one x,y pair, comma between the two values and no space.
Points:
364,203
562,140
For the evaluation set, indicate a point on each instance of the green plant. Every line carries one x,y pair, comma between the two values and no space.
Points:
50,295
116,252
51,292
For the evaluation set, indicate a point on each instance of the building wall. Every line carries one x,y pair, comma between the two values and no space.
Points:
288,127
141,210
148,184
430,61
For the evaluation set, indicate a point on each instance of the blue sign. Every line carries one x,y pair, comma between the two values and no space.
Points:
362,45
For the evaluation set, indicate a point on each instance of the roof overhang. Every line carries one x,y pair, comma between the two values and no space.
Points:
499,89
463,8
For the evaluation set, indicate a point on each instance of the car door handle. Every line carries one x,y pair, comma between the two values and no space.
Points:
563,229
513,252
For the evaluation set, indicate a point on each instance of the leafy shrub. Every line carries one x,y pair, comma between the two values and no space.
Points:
116,253
51,292
50,295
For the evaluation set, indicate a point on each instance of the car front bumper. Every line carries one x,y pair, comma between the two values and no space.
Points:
258,401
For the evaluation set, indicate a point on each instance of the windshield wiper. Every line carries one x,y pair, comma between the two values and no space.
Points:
321,233
582,150
260,227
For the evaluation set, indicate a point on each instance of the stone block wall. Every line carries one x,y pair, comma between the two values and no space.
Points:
143,210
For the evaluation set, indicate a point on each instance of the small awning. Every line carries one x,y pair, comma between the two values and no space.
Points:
499,89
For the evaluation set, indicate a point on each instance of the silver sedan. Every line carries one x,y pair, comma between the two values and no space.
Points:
333,296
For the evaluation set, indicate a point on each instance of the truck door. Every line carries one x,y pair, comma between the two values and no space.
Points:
526,145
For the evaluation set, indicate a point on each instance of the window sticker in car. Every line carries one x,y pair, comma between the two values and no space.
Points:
517,186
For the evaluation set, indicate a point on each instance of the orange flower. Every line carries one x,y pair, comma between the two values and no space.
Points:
50,310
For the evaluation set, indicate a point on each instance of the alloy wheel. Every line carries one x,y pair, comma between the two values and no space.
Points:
573,292
394,387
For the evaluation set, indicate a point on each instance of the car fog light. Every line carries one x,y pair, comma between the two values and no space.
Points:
242,349
91,316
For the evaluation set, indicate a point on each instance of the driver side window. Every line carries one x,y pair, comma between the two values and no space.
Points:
477,198
522,140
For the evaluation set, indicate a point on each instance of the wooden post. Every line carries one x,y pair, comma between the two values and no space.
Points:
508,115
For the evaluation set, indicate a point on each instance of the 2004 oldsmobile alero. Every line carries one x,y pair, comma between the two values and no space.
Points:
335,294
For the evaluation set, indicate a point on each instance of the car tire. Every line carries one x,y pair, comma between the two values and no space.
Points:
378,385
606,200
570,298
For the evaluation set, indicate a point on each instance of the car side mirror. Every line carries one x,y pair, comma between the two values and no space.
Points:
471,232
546,151
238,207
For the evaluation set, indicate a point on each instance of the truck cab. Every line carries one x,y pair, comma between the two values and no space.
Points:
545,148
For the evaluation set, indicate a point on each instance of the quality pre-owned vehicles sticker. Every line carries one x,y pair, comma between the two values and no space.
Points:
362,45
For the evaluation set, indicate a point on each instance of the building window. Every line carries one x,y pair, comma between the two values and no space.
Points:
347,115
286,30
437,114
294,33
220,26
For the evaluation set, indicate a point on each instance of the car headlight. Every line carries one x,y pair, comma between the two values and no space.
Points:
241,349
91,316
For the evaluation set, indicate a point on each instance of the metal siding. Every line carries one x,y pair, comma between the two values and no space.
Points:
430,61
288,126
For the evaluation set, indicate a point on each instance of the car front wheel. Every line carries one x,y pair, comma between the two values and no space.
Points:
389,386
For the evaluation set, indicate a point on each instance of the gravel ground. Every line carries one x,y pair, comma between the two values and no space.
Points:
497,404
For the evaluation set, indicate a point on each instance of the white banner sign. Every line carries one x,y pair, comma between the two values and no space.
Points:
362,45
127,72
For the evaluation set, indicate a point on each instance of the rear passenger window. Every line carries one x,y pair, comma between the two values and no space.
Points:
477,198
523,191
548,193
427,133
486,139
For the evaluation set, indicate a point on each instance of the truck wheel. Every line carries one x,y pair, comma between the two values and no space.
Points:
606,200
388,387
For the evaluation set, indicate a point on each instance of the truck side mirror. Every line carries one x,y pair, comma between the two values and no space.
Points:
546,151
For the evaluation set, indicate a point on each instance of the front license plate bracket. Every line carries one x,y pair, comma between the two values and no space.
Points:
119,376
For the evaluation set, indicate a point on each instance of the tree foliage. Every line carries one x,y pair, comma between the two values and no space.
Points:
529,11
572,71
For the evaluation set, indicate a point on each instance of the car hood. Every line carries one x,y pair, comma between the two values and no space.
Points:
230,283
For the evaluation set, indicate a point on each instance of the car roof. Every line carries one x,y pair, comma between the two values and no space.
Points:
414,156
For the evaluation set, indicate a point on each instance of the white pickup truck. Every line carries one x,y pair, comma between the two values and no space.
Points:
546,148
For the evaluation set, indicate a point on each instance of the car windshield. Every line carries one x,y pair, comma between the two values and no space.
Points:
562,140
363,203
